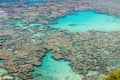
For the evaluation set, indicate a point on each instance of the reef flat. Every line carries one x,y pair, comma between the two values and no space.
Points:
92,51
25,37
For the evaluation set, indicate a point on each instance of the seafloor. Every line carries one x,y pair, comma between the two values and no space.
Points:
42,37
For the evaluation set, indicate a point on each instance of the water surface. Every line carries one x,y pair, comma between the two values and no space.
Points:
52,69
88,20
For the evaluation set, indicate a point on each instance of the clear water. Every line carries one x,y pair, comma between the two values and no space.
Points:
52,69
1,61
26,2
88,20
34,2
37,2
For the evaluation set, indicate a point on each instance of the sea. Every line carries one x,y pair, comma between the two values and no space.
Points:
81,21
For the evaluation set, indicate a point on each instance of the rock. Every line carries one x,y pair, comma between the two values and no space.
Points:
7,77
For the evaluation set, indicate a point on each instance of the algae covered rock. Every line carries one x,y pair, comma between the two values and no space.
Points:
115,75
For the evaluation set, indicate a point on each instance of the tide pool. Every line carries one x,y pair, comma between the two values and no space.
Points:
88,20
52,69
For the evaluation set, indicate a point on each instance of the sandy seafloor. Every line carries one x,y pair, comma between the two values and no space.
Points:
81,21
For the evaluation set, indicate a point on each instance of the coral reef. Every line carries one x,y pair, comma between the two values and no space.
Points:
82,51
22,48
48,12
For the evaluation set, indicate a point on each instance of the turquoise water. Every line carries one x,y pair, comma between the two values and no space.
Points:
39,2
52,69
26,2
32,2
1,61
88,20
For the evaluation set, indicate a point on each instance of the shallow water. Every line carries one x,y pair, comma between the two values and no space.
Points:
25,2
1,61
52,69
83,21
88,20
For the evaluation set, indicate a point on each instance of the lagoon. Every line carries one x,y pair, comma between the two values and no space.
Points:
88,20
